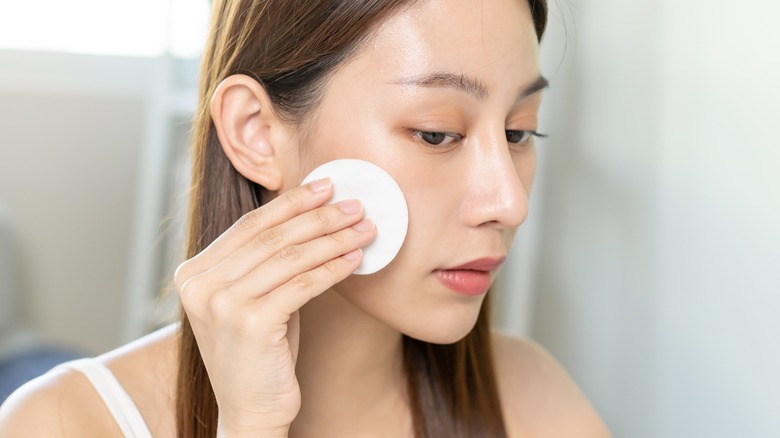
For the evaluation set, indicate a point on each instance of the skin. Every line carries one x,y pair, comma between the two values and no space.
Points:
466,199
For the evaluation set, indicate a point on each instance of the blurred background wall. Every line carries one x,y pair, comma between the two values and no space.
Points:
650,262
95,101
658,281
68,173
92,146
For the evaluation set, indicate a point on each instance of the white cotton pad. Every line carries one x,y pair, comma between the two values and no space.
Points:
383,203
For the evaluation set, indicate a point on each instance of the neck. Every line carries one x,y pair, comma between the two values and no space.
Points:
349,368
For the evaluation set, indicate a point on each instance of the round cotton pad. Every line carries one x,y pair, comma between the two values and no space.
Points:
383,203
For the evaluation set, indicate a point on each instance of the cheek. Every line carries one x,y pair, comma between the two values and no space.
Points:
339,136
431,197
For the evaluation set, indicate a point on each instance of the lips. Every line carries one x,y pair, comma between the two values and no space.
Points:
483,264
472,278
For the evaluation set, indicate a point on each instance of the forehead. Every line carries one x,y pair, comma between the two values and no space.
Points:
493,40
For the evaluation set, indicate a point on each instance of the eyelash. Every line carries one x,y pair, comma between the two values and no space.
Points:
528,135
457,137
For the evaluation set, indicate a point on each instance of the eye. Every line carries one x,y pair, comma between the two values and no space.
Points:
437,138
521,137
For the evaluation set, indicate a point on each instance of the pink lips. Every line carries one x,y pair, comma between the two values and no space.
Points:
472,278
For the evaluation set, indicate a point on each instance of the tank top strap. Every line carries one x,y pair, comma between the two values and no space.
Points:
116,399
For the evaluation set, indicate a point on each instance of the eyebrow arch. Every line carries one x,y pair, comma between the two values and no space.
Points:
534,87
466,84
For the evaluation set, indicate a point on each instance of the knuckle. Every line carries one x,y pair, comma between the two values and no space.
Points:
191,289
250,221
180,275
332,266
220,304
321,217
303,281
293,198
268,239
190,286
337,237
290,253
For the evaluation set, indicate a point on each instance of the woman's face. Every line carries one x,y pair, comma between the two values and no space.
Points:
463,68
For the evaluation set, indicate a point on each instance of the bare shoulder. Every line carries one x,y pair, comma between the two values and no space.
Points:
44,407
64,403
539,397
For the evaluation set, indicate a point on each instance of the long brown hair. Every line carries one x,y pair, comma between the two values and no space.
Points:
290,46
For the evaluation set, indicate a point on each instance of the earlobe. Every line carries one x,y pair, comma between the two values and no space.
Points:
243,117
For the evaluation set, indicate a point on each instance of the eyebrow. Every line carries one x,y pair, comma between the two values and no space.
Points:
466,84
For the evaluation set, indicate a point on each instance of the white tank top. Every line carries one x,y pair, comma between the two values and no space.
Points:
115,397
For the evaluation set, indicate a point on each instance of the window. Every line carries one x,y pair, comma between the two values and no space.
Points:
105,27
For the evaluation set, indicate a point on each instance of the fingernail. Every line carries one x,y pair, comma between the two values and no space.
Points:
364,225
353,255
350,206
321,185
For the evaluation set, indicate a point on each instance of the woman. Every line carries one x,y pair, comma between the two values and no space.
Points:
276,338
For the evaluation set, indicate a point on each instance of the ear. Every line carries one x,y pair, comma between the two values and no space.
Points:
245,121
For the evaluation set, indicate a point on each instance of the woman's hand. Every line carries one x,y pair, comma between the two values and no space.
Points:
242,294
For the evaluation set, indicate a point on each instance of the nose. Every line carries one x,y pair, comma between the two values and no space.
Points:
495,190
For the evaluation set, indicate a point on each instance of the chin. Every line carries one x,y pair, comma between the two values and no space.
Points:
428,315
445,330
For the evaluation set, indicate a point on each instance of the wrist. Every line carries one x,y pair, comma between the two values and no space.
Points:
226,431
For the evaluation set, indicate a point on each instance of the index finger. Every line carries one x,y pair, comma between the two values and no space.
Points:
281,209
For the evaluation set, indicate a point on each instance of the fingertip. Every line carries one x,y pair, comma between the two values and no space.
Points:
364,225
353,255
321,185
